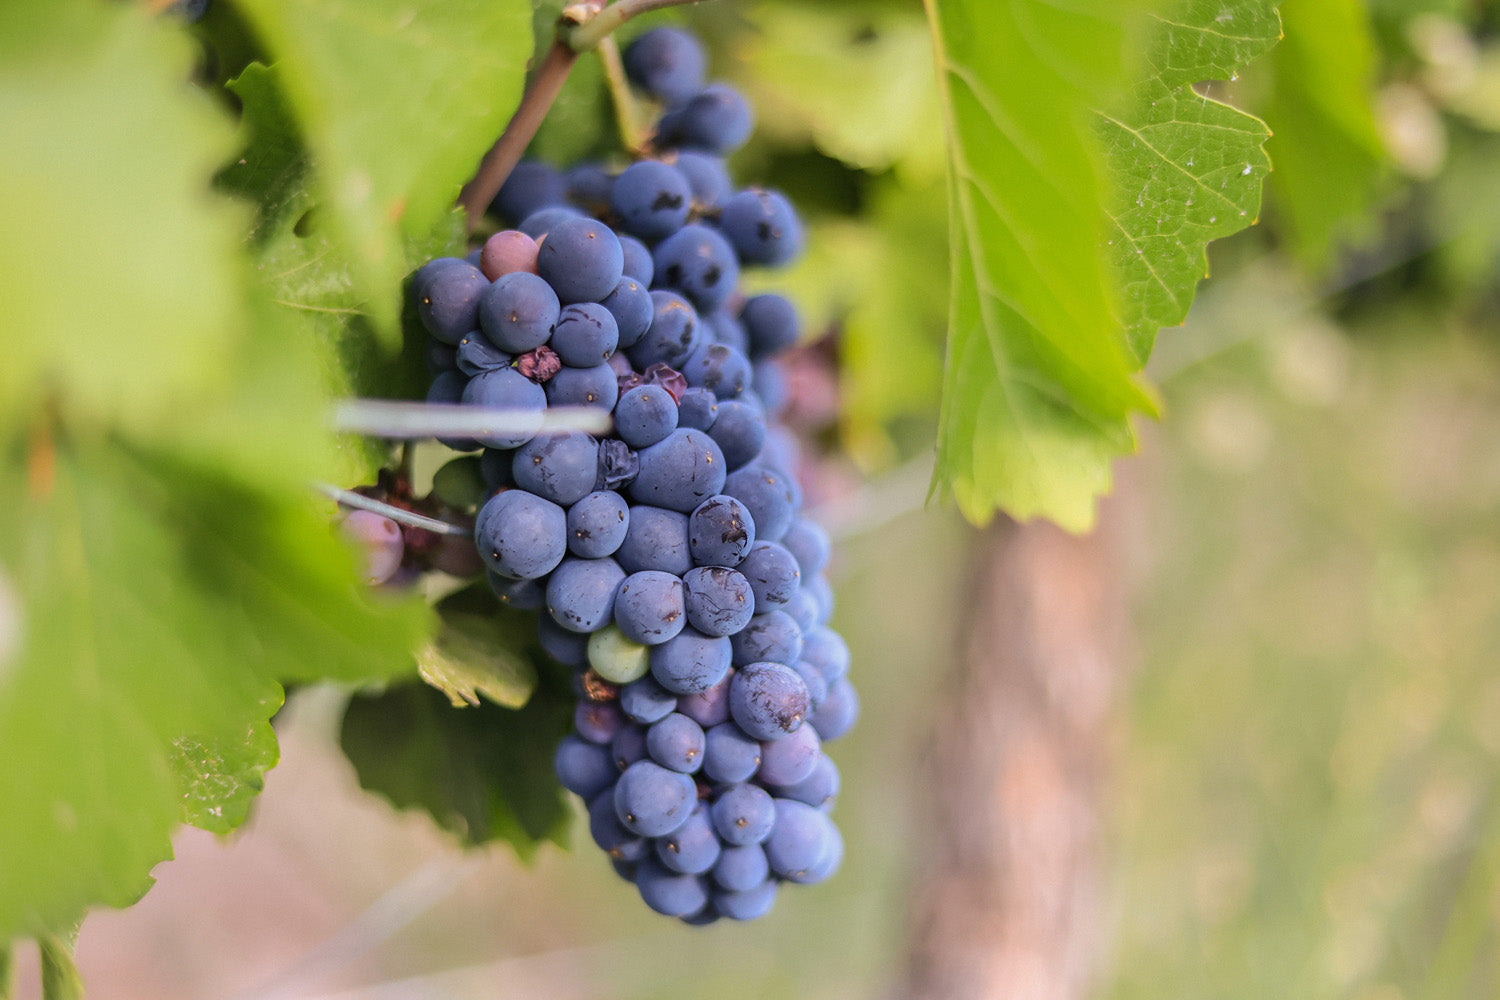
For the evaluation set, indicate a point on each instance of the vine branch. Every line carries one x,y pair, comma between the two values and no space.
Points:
583,26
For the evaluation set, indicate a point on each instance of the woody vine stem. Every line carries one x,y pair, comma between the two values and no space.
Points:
582,27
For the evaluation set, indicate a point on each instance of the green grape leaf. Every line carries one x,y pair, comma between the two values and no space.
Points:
1038,383
856,82
137,271
305,280
384,94
220,777
1078,227
1186,169
161,603
482,772
478,651
1327,149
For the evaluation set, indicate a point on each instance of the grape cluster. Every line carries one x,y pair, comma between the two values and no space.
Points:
670,561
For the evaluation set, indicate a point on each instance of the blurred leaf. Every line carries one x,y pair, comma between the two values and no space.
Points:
1185,169
856,81
131,274
1038,384
1326,150
162,601
479,650
220,777
482,772
384,94
60,978
305,283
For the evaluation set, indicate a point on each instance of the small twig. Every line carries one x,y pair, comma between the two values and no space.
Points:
590,33
397,420
348,498
506,152
626,117
583,27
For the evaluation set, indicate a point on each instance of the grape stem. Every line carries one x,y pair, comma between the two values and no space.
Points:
348,498
582,27
626,115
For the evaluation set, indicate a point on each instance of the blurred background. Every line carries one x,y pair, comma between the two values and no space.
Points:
1243,740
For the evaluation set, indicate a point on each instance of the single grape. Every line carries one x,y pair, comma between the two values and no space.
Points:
771,324
669,893
559,467
679,472
539,223
506,252
838,712
594,386
740,432
448,296
476,354
584,768
645,415
817,684
721,369
656,538
769,637
523,595
610,834
585,334
616,657
588,185
520,534
597,721
380,540
651,199
699,263
743,814
762,227
649,607
518,312
638,263
631,308
581,259
581,593
728,754
698,409
691,849
440,357
691,661
597,523
808,542
799,839
826,650
571,649
803,608
715,120
628,746
646,701
768,700
819,789
709,707
770,496
740,869
665,63
652,800
531,186
707,178
673,334
676,742
717,600
752,904
773,574
790,760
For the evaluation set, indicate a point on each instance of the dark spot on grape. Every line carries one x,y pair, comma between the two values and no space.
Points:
666,199
711,276
674,275
764,231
